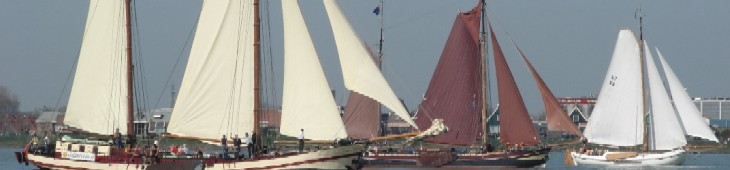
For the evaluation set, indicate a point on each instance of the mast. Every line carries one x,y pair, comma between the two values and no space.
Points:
483,55
257,73
130,74
380,46
645,145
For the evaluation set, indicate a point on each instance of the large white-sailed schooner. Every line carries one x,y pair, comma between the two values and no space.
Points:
618,118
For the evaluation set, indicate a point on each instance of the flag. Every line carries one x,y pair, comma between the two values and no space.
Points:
377,10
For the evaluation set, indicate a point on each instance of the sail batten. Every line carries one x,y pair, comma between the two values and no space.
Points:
359,72
454,93
216,95
620,97
557,119
310,107
515,123
691,117
98,99
668,132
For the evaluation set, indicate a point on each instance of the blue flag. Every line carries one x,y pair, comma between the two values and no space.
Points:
376,10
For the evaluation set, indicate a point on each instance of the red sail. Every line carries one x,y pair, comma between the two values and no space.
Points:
361,117
454,93
515,123
557,119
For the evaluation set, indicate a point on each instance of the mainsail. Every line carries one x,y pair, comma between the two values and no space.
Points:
620,97
216,95
557,119
668,132
691,117
515,123
98,99
310,107
360,73
454,93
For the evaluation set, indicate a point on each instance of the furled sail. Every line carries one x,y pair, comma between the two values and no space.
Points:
515,123
668,132
691,117
620,97
557,119
454,93
359,72
311,107
98,99
216,95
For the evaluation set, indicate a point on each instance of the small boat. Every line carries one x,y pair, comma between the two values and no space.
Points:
618,120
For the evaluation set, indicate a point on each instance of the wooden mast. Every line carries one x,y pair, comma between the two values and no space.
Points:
483,53
130,74
257,73
645,143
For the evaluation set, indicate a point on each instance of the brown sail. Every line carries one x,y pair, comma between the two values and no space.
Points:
361,117
557,119
454,93
515,123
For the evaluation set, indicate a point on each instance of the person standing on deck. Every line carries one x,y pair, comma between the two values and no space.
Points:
301,140
224,147
249,146
118,139
237,146
253,141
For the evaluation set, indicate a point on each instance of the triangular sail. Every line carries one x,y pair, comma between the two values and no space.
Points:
668,132
454,93
359,72
307,100
691,117
98,99
557,119
216,95
515,123
617,117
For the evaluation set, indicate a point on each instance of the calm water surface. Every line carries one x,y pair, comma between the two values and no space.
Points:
694,161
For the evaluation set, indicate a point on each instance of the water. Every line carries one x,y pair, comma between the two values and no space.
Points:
694,161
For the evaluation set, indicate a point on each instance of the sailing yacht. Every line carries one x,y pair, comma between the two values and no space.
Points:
456,94
618,118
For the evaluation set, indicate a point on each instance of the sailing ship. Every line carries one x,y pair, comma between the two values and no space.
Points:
456,95
618,118
220,91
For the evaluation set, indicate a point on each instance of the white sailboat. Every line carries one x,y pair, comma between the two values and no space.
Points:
617,119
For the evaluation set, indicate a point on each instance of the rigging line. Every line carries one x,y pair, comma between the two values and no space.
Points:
180,56
271,65
141,100
432,11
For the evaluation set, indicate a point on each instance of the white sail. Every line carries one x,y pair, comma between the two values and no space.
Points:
216,95
98,99
307,100
617,117
691,117
668,132
359,72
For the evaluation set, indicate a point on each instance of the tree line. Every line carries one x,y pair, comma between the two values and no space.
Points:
8,101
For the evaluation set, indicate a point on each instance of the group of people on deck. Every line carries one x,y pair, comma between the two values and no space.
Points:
249,141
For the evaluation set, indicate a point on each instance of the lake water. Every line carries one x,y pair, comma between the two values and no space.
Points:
694,161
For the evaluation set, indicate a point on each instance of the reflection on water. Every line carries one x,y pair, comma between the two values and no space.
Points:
694,161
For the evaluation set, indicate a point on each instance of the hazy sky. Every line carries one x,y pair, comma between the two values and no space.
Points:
569,42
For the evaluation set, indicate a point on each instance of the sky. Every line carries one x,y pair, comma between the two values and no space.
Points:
568,41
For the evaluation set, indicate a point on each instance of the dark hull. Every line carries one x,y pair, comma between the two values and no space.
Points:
520,159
